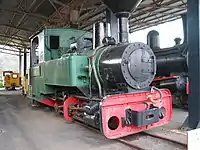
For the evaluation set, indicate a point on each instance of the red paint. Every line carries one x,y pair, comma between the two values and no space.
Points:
164,78
188,88
48,102
68,102
117,104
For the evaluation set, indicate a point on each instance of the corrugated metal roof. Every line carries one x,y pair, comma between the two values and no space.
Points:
20,19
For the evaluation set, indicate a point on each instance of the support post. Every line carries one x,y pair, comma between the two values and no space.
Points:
20,62
185,27
25,61
20,65
193,21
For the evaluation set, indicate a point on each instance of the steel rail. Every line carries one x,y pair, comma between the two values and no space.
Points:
135,146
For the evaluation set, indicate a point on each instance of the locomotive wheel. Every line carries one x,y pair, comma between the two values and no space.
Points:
48,109
58,113
35,105
13,88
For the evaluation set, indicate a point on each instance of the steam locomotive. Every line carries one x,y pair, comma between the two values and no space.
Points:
106,87
172,66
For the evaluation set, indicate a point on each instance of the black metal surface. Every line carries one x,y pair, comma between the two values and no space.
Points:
84,90
171,60
112,25
123,29
127,64
174,85
153,39
168,84
142,118
194,63
185,27
171,64
122,9
122,5
98,33
91,108
109,41
181,83
177,41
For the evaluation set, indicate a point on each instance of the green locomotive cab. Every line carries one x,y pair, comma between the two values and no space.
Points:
55,65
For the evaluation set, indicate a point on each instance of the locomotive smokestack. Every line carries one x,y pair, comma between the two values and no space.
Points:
122,9
98,34
123,27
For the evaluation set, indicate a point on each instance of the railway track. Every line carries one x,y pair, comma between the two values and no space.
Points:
158,142
147,141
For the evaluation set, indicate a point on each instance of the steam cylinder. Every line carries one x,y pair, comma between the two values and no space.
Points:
98,34
126,64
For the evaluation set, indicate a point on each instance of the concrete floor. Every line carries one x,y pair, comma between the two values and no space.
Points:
22,128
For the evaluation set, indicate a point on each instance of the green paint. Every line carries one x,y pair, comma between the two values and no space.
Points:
56,68
65,35
36,71
70,70
39,89
1,84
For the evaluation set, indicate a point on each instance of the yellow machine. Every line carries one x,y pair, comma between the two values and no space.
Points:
11,80
25,85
